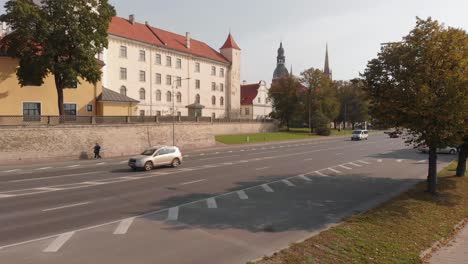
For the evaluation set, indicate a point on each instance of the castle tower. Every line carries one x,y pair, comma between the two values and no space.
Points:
232,52
326,69
280,70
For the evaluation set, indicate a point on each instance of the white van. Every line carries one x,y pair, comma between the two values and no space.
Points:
360,135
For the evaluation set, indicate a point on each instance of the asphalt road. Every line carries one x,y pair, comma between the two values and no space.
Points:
223,205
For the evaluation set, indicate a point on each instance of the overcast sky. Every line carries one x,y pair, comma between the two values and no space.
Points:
353,29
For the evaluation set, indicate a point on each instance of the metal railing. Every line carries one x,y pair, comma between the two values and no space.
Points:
98,120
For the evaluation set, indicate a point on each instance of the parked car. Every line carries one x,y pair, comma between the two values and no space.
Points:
446,150
155,157
360,135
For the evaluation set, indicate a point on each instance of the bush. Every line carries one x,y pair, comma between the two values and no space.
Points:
324,131
321,124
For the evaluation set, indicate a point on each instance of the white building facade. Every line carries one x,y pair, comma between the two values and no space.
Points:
170,73
255,102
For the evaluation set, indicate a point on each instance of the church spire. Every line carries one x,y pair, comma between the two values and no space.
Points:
280,70
326,69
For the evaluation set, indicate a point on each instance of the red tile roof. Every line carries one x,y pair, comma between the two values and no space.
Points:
161,38
248,93
230,43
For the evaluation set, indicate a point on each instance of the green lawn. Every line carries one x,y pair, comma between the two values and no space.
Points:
395,232
294,133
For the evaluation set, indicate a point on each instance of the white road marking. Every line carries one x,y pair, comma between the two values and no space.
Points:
202,154
267,188
363,162
48,189
335,171
305,178
187,169
123,226
45,168
15,170
192,182
399,160
253,149
321,174
243,161
380,160
211,202
99,164
242,150
354,164
346,168
58,242
242,195
264,168
60,176
220,157
173,214
65,206
73,166
308,159
422,161
216,153
130,178
94,183
5,195
228,163
288,183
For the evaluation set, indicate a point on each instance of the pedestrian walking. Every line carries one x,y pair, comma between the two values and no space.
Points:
97,149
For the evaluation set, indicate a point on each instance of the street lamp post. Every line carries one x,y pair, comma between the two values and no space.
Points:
177,83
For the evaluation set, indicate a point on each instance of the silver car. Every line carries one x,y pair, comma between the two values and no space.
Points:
155,157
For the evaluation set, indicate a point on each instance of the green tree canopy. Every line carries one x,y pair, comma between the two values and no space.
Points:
285,94
353,103
421,84
59,37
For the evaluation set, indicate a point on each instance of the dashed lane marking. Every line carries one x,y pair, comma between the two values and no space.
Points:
8,171
305,178
173,214
422,161
60,176
73,166
263,168
6,195
335,171
399,160
288,183
379,160
220,157
344,167
59,242
308,159
94,183
65,206
211,203
123,226
99,164
45,168
242,195
267,188
192,182
125,161
48,189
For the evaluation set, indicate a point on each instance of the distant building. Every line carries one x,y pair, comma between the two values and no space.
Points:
4,29
162,69
255,103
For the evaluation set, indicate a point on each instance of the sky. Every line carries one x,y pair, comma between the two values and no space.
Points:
352,29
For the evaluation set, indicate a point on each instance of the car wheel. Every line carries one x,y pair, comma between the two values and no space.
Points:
175,163
148,166
451,152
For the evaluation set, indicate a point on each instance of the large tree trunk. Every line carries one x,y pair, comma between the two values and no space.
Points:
432,174
462,155
59,87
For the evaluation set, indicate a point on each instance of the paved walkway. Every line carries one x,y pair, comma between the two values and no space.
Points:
454,253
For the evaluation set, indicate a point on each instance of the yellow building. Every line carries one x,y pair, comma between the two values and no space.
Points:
84,100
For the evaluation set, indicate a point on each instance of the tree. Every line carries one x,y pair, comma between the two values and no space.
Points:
462,155
321,95
421,84
285,94
353,103
59,37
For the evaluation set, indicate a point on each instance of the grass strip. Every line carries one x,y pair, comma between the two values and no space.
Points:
394,232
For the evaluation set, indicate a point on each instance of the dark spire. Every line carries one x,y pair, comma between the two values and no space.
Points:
326,69
280,70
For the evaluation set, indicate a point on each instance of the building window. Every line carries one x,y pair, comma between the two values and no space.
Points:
158,78
197,67
213,115
142,94
259,100
31,111
142,55
142,76
123,73
221,87
179,97
123,90
179,64
142,112
69,109
221,72
213,70
213,100
123,52
168,61
197,84
158,113
179,81
158,95
158,59
89,108
221,101
169,96
213,86
247,111
169,80
197,99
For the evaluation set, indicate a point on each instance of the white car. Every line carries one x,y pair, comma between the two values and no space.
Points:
446,150
156,156
360,135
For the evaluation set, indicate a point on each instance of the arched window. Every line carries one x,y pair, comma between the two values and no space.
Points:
213,100
142,94
158,95
179,97
123,90
221,101
169,96
197,98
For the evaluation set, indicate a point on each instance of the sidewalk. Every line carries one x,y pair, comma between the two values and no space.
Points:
456,252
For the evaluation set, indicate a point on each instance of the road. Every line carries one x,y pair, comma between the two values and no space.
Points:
224,205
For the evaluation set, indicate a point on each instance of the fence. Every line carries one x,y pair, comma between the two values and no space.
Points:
97,120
